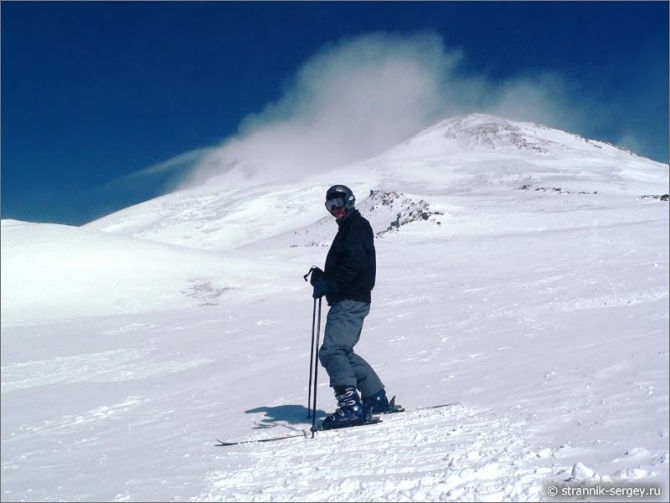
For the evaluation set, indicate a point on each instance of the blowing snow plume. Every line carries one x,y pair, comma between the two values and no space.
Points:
352,100
358,97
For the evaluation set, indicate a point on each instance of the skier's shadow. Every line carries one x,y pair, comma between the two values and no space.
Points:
291,414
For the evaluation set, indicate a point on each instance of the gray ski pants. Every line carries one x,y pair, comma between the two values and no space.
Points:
343,331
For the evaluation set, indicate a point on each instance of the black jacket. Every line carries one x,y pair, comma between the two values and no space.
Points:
351,263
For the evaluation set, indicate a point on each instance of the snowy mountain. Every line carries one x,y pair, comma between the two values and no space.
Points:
475,154
522,276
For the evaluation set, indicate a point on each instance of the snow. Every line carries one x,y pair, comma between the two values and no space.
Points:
131,344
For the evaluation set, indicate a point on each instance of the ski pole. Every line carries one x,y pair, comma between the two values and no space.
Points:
316,368
311,358
311,364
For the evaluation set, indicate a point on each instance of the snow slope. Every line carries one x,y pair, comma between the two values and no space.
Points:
58,271
542,312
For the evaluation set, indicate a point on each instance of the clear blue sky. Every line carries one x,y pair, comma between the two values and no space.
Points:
95,91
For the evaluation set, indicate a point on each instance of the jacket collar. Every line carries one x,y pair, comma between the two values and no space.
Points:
351,215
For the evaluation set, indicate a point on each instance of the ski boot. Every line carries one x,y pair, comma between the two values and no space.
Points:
380,404
349,409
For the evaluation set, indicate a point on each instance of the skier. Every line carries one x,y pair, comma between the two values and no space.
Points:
347,281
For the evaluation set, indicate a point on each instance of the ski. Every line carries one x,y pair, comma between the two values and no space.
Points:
303,433
372,420
376,419
451,404
393,409
221,443
260,425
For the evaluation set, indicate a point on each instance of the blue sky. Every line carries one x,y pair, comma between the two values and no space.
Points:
107,104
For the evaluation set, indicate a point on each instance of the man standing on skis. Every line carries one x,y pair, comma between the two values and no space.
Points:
347,282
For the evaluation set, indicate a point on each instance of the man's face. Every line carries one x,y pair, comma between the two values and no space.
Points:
337,206
338,212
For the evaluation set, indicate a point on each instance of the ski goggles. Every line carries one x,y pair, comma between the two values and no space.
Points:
335,202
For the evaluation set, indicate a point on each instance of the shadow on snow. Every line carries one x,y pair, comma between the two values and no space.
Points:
291,414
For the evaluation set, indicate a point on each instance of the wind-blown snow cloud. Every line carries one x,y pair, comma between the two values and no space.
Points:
167,168
352,100
362,95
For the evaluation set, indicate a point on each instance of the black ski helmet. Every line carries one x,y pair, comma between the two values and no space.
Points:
342,192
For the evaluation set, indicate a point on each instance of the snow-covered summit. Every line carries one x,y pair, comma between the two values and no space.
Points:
489,132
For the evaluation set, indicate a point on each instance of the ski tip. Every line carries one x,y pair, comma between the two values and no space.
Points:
395,407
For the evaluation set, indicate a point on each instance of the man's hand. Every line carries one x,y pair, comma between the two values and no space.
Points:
321,287
317,274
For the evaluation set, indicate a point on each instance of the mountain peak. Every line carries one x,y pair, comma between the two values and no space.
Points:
478,131
494,132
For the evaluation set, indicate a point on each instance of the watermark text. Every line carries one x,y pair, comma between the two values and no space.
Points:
603,491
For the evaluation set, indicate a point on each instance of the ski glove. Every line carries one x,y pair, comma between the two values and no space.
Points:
316,275
321,288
